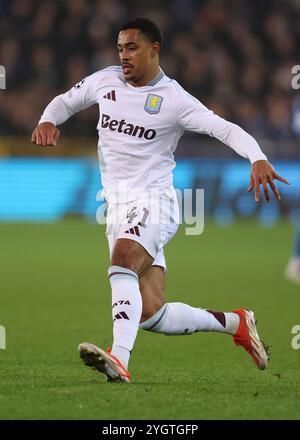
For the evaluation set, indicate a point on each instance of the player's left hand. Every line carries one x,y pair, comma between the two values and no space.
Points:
263,173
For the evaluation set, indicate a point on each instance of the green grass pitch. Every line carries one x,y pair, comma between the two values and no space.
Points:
55,294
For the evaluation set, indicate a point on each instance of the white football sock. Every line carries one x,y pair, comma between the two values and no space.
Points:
126,311
121,353
182,319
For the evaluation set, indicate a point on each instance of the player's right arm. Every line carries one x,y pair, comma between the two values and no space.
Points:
61,108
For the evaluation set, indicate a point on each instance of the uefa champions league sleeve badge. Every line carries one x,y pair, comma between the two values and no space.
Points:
79,84
153,104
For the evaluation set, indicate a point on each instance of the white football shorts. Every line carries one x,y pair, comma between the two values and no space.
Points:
151,221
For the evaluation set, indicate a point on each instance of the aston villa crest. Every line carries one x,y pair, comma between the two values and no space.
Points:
153,104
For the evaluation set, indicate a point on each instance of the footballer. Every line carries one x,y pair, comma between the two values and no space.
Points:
142,115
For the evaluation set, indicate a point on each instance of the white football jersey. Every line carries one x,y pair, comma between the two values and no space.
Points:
139,127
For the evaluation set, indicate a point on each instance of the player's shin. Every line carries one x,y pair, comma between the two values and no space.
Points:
126,311
182,319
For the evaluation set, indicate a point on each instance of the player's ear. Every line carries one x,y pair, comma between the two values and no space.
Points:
155,48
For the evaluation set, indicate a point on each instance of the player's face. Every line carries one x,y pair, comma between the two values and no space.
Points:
136,53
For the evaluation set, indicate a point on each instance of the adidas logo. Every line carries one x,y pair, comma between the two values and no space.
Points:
134,231
121,315
111,95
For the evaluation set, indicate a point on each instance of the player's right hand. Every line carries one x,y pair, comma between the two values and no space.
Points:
45,134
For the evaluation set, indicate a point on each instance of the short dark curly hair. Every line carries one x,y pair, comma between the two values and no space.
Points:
146,27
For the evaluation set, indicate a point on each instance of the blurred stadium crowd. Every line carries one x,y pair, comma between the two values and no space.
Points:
234,55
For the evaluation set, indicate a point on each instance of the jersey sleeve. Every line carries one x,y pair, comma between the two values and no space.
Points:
79,97
192,115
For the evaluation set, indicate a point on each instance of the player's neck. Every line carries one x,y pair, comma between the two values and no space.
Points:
148,77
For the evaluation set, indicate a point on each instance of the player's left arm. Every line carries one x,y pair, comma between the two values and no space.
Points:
194,116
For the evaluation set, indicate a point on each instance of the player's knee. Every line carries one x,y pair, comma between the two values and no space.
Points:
130,255
124,258
120,257
150,310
